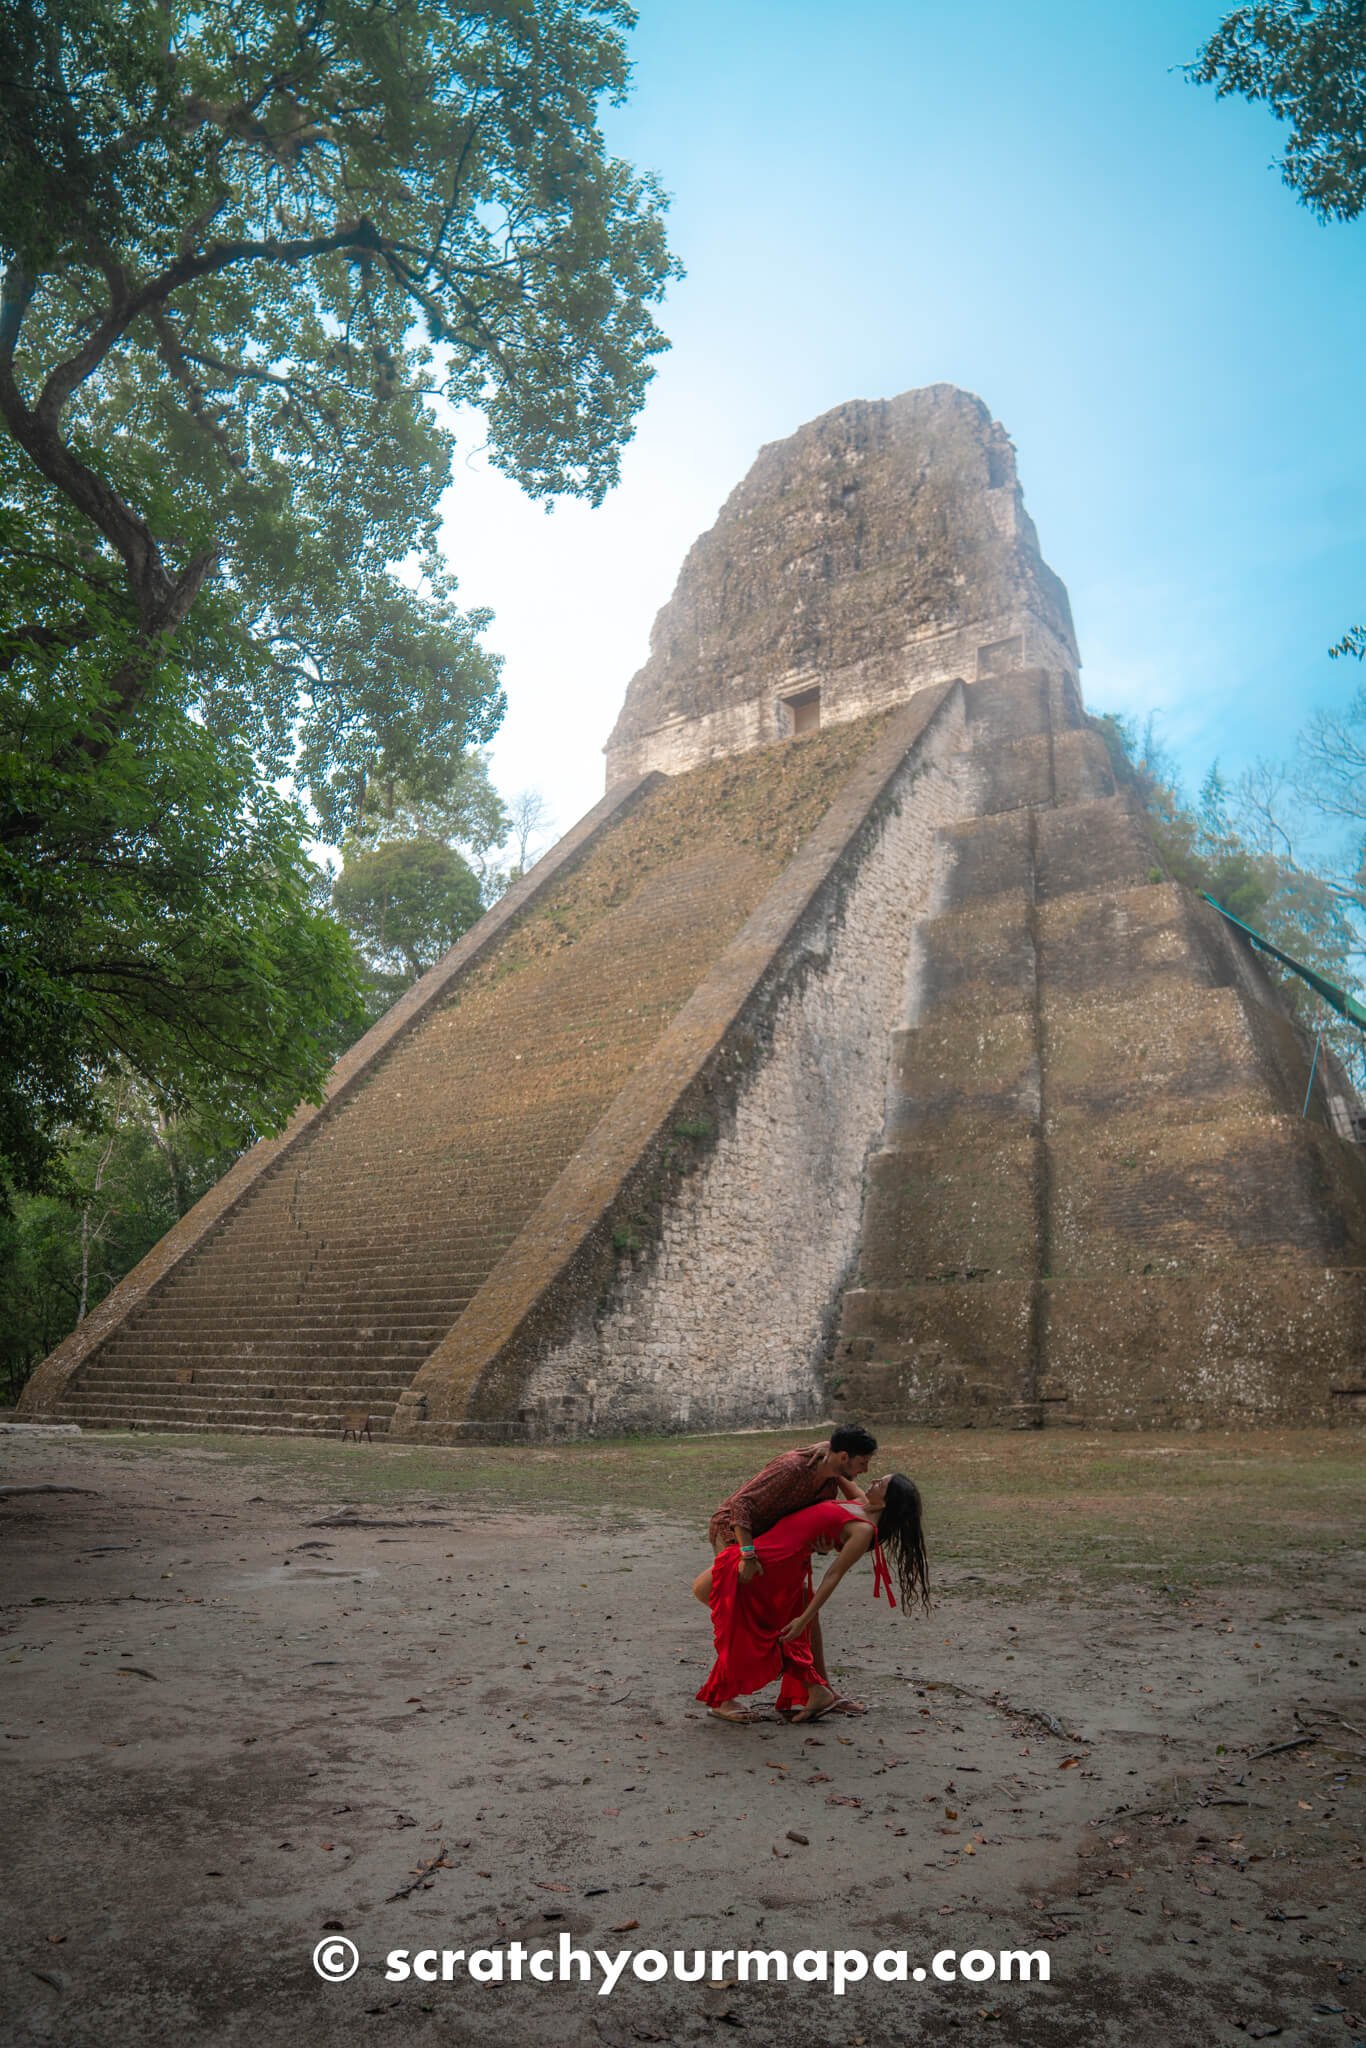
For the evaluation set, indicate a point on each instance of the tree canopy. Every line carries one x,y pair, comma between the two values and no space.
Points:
224,227
249,252
1306,60
406,902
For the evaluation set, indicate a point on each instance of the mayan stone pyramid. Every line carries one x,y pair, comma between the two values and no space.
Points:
855,1055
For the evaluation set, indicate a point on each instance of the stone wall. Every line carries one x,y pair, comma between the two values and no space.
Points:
934,654
880,549
1096,1199
726,1318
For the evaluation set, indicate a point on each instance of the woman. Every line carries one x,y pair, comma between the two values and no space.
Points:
760,1624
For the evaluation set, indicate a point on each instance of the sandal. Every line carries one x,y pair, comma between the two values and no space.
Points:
742,1717
810,1713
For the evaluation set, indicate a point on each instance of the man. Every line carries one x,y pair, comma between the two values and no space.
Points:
796,1479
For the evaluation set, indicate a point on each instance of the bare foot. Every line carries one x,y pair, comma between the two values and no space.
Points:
730,1710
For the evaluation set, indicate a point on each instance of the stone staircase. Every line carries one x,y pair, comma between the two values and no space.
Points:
353,1255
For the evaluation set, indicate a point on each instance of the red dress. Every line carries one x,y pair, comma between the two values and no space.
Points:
747,1615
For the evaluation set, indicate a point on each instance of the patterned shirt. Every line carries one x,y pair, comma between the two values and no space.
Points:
789,1482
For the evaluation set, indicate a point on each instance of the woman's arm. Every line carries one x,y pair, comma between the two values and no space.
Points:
856,1543
851,1491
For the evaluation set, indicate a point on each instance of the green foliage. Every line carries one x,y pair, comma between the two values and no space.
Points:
126,1186
1306,59
244,250
453,801
405,903
694,1127
1207,849
163,921
405,892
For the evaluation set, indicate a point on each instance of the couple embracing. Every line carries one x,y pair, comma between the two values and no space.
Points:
765,1611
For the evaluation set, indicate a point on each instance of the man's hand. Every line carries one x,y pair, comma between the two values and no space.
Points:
750,1568
796,1628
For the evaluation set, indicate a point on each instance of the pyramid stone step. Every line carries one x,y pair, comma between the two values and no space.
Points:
1090,846
951,1211
979,957
1042,769
1171,1053
1015,706
1258,1348
282,1345
209,1379
989,857
965,1076
246,1422
1110,940
1130,1198
950,1352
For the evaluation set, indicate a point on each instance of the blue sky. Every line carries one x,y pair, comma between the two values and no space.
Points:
1032,203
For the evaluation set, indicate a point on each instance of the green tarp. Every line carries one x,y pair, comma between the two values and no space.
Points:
1337,998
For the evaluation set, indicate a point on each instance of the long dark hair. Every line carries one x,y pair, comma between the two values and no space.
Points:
901,1532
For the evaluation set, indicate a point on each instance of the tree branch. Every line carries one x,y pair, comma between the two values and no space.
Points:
71,374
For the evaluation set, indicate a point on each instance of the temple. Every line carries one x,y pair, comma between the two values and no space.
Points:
855,1055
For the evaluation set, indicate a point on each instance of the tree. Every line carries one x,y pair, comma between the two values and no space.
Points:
457,803
246,251
222,229
126,1186
405,903
1306,59
529,816
164,921
414,873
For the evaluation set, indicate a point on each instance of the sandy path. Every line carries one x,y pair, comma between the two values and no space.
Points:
228,1729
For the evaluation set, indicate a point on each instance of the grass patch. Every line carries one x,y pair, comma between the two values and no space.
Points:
1193,1508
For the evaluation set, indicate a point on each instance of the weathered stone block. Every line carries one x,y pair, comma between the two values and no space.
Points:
1008,707
951,1212
1082,771
1093,846
1013,775
989,856
1272,1342
957,1352
1108,940
1169,1053
966,1076
1131,1197
979,957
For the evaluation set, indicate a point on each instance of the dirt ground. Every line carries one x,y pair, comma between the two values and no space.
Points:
259,1693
